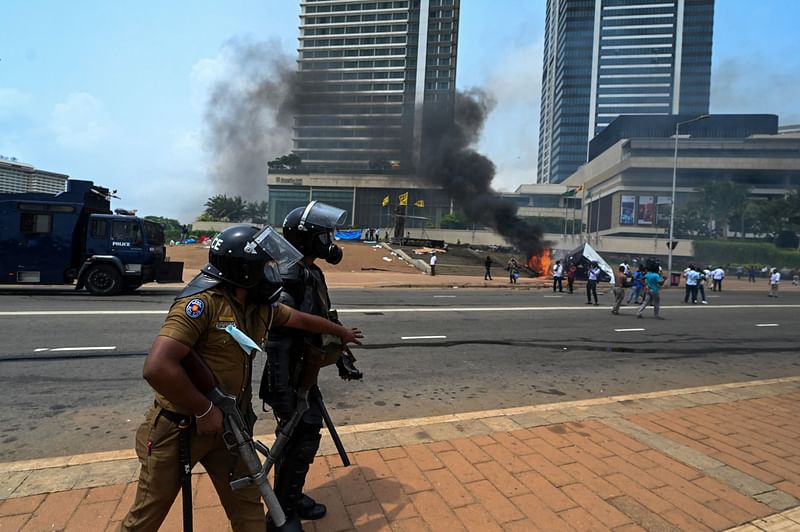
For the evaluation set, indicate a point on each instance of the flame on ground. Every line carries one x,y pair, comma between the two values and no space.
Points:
541,264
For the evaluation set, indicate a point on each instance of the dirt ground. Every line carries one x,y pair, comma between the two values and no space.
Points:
357,257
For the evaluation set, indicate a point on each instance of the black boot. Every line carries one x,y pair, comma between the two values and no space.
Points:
292,524
347,369
310,509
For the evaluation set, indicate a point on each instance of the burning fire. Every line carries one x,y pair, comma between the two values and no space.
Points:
541,264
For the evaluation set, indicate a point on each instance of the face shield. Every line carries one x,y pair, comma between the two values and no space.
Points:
278,248
282,256
321,220
322,215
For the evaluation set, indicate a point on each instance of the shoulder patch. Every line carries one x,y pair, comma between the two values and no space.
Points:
195,308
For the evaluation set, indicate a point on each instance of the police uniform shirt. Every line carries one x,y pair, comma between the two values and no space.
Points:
199,322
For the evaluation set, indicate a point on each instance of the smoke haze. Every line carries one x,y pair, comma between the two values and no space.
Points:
249,117
450,162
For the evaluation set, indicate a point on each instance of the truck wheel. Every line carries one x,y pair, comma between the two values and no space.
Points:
103,280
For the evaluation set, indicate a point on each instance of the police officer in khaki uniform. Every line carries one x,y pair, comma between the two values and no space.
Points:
240,285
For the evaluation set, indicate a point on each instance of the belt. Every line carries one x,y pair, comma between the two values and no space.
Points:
182,420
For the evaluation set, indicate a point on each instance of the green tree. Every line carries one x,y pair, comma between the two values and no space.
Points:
257,211
221,208
285,162
724,199
692,220
172,227
453,221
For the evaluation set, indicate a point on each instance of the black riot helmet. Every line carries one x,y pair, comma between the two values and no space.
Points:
310,230
251,258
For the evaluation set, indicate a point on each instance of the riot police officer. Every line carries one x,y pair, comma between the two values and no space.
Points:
240,285
310,230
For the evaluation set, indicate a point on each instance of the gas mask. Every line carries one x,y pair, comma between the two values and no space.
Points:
268,290
324,248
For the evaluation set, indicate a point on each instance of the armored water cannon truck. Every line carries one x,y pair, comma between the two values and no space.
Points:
73,237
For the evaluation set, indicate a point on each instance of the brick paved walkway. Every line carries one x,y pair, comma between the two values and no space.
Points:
709,458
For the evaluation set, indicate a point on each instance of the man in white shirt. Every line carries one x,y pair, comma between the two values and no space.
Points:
774,281
625,267
558,275
692,277
434,261
718,275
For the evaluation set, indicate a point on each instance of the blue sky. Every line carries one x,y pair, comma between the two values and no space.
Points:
115,92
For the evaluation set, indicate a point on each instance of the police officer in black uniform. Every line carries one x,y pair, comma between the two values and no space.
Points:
310,230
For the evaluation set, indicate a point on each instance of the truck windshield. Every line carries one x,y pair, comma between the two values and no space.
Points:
154,233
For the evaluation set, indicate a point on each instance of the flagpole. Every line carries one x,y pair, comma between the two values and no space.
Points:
583,204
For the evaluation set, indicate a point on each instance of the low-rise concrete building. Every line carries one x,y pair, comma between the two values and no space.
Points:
627,185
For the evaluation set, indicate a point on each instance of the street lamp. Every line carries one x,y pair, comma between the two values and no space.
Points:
674,181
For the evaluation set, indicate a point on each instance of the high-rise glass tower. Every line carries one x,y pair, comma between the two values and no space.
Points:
370,74
605,58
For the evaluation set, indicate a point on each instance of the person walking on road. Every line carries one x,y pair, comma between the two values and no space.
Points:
637,285
571,271
487,264
774,281
751,274
718,275
513,270
434,262
239,287
558,274
591,284
620,280
692,277
653,282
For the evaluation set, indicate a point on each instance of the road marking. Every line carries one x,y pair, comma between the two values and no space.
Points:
421,337
704,308
553,296
628,330
444,296
98,348
767,325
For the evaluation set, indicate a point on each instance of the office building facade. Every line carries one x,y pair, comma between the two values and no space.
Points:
370,75
607,58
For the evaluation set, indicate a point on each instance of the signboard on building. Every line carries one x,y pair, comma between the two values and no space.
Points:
647,210
627,210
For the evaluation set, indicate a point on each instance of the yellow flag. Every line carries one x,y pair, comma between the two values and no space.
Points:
385,201
403,198
419,203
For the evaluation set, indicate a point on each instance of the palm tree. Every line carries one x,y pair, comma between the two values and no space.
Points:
225,209
257,211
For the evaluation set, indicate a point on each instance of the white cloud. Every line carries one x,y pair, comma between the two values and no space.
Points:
81,121
511,134
13,101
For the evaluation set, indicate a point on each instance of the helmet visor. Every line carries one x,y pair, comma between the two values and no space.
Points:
323,215
277,247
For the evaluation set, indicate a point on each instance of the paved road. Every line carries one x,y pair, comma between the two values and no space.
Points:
70,364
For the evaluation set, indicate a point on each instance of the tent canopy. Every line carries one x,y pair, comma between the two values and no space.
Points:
583,256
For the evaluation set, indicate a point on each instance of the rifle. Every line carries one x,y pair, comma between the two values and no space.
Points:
307,393
238,439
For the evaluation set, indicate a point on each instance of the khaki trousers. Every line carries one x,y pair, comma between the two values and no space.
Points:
159,479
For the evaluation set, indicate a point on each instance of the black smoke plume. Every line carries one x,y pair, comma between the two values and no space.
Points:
449,161
249,117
